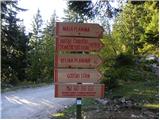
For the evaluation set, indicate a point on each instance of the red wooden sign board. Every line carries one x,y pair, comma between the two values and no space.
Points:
76,76
79,29
77,37
77,61
79,90
78,44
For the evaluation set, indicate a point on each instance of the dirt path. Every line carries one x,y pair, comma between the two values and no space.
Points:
32,103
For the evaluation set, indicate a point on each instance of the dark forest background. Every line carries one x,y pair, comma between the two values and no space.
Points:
131,41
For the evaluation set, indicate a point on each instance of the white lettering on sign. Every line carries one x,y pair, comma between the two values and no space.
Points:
79,29
77,37
79,90
78,44
77,75
77,60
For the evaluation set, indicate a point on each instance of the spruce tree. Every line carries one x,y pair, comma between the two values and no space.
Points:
13,45
35,44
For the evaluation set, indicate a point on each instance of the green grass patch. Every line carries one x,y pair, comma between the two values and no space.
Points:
139,91
140,85
91,109
58,115
70,112
151,106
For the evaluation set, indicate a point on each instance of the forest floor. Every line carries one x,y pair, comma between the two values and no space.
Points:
131,100
120,108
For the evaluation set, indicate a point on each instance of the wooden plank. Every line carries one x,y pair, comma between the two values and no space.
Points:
79,90
78,44
79,29
77,61
76,75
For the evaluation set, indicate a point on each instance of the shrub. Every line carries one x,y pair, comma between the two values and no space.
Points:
124,59
110,79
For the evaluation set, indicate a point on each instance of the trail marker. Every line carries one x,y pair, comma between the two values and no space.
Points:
79,29
77,61
79,90
77,76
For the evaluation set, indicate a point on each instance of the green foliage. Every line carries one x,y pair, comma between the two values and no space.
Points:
48,49
110,79
124,68
42,48
134,81
87,104
34,54
78,11
26,60
134,32
144,91
126,29
136,28
14,45
111,47
124,59
83,11
37,25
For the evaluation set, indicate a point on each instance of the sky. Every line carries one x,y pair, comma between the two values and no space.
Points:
46,7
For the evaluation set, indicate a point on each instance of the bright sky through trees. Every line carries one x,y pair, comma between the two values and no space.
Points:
46,7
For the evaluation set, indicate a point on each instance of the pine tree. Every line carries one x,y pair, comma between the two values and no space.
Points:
48,48
13,44
35,44
136,28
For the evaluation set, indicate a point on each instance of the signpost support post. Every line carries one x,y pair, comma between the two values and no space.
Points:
78,37
78,108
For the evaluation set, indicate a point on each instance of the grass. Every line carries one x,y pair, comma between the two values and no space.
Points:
140,91
91,109
144,90
88,104
151,106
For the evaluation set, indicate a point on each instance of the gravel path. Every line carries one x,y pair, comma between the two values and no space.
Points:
32,103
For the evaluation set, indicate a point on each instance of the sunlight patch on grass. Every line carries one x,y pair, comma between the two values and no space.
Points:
152,106
58,115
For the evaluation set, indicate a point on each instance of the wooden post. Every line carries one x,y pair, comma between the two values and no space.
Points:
78,108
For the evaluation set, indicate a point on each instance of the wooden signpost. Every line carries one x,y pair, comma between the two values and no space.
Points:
79,90
78,44
79,29
75,75
77,61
